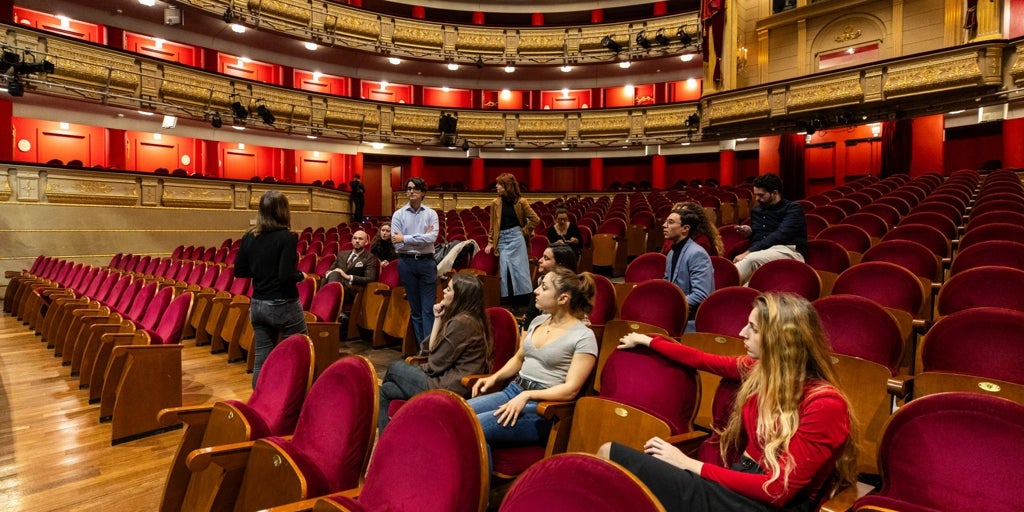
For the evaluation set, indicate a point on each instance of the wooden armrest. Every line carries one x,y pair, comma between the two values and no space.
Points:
228,456
551,410
469,381
920,326
415,360
844,499
688,442
191,414
900,385
383,292
309,317
308,504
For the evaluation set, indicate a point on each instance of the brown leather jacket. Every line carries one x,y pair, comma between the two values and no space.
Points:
528,219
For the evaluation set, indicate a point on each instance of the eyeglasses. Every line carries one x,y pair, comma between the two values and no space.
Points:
411,189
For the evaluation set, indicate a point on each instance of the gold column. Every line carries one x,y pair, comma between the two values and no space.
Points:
762,56
897,28
805,64
953,25
989,20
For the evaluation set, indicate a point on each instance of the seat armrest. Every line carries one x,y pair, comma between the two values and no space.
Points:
900,386
688,442
191,414
415,360
228,456
552,410
469,381
307,504
845,498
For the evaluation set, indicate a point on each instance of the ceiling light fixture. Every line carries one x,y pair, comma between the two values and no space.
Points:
566,68
510,69
453,66
394,60
311,46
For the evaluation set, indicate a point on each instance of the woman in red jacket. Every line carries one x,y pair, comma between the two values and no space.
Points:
790,429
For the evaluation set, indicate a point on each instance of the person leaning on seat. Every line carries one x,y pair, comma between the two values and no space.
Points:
777,230
553,362
354,267
460,344
791,431
688,265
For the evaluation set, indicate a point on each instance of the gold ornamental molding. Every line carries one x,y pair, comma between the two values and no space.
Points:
75,188
842,90
327,201
298,198
5,185
736,108
197,195
939,73
1017,69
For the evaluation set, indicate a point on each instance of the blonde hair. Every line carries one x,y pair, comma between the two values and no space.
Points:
793,350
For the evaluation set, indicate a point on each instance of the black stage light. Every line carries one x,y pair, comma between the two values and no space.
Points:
610,44
684,36
661,38
239,111
216,121
641,39
15,87
265,114
229,15
692,121
479,62
465,145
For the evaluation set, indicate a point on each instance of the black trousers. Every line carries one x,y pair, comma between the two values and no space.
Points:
681,490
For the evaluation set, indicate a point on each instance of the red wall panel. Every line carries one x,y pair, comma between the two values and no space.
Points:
393,93
248,69
63,26
46,140
322,84
175,52
452,98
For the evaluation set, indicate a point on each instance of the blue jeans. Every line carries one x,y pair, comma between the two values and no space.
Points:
530,428
273,320
419,277
402,382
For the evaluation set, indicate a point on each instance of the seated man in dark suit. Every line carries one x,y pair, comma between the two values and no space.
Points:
355,267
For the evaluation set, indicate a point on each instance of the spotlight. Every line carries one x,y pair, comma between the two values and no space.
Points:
238,111
692,121
448,124
684,36
465,145
610,44
229,15
661,38
265,115
216,121
510,146
15,87
479,62
641,39
9,59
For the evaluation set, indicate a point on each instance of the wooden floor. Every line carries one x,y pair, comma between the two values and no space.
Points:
54,453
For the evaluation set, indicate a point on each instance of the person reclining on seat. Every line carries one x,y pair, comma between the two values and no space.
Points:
460,344
555,359
778,228
790,432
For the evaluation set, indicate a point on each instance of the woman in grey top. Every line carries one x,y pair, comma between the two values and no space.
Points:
555,359
460,344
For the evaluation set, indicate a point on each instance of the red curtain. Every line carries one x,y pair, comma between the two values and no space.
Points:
791,165
897,144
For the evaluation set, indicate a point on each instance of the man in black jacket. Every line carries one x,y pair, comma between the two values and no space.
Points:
778,228
357,192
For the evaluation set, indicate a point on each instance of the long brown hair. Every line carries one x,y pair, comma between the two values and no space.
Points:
511,186
793,350
468,300
273,213
704,227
